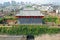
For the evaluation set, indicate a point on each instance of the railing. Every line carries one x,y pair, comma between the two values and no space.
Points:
44,25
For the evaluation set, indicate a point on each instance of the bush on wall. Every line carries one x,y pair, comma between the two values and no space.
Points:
27,29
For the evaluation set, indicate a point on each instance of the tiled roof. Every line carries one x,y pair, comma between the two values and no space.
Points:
29,13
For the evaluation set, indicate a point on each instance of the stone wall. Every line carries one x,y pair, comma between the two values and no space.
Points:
39,37
48,37
5,37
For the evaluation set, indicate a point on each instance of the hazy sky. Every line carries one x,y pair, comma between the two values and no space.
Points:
33,1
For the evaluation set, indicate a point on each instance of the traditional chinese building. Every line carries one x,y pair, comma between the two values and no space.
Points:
30,17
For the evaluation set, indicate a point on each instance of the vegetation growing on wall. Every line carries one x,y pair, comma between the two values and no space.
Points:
50,19
28,29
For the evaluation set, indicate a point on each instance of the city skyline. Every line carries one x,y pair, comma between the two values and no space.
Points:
34,1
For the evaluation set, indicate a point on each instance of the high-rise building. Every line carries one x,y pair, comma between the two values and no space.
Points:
0,5
6,3
13,2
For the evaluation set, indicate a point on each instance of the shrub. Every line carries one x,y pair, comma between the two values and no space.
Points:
50,19
28,29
